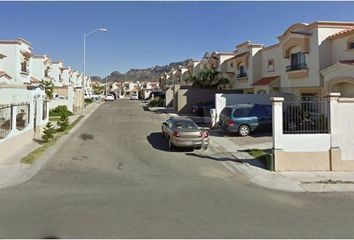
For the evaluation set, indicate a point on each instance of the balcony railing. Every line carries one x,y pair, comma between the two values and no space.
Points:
241,75
294,67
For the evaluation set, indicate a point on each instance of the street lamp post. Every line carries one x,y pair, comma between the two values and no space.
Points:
107,86
85,36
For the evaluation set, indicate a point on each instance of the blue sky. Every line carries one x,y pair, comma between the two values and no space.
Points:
144,34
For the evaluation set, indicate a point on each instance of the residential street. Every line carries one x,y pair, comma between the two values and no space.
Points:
116,178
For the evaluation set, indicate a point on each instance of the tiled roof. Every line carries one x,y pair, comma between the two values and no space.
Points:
341,33
35,80
265,81
3,73
349,62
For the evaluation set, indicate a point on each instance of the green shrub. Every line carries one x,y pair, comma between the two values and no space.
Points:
157,102
88,100
64,114
48,132
59,111
63,124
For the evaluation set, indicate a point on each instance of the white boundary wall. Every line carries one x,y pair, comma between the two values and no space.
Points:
342,120
295,142
319,152
222,100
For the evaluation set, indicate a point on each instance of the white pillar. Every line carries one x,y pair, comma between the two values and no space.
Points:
277,116
333,101
13,117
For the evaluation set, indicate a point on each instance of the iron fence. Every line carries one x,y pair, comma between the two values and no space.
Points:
294,67
5,120
22,115
306,115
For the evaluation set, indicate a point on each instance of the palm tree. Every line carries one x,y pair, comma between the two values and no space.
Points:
48,88
208,78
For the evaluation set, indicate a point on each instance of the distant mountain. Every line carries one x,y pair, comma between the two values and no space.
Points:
146,74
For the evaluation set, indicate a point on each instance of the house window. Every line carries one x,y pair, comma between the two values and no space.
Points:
271,65
46,72
297,62
351,44
241,71
24,66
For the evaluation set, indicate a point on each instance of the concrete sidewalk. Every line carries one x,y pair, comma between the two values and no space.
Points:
13,172
283,181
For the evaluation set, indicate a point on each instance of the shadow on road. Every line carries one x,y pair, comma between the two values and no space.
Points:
215,158
253,162
159,142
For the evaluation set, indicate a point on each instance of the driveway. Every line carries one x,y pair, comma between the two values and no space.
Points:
114,178
253,141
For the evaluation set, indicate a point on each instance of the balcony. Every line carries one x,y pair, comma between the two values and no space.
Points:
241,75
296,71
295,67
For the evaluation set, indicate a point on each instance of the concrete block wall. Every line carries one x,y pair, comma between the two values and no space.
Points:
316,152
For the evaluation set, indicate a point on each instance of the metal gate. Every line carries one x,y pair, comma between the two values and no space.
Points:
306,115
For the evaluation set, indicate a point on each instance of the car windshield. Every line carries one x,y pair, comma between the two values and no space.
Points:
185,125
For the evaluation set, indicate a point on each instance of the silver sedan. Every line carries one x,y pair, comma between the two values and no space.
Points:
183,132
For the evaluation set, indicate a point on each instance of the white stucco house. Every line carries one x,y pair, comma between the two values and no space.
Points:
23,109
309,59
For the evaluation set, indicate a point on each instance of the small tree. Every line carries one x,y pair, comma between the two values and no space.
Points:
63,122
98,89
48,132
48,88
208,78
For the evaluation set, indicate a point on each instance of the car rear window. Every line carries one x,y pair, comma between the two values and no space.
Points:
185,125
242,112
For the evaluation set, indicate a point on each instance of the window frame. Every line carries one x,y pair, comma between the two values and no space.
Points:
351,44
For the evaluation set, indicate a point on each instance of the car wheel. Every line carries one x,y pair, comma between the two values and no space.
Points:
198,148
170,144
205,147
244,130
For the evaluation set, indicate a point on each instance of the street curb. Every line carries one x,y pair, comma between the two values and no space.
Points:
264,178
20,173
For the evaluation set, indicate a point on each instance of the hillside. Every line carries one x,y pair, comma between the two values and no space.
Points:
147,74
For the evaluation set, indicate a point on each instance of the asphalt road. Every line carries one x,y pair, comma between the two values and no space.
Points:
115,178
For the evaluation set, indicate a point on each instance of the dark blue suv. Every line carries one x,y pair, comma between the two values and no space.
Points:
246,118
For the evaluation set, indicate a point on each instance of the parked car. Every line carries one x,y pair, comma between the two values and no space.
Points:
246,118
157,94
183,132
109,97
203,108
134,96
59,97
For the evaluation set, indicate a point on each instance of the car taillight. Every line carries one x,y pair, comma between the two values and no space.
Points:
206,134
176,134
231,123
